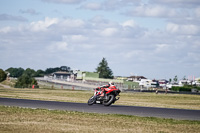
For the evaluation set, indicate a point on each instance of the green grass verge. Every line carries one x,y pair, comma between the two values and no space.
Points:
23,120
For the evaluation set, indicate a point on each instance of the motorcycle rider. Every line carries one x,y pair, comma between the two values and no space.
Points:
106,95
110,85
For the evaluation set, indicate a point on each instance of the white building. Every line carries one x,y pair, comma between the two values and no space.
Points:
145,83
162,82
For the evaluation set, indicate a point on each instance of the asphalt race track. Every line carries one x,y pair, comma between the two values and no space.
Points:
181,114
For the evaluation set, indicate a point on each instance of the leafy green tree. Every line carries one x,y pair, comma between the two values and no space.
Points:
15,72
23,82
2,75
34,82
39,73
175,79
62,68
30,72
104,70
65,68
184,77
27,79
51,70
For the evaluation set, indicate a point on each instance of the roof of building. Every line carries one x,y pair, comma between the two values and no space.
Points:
137,77
61,72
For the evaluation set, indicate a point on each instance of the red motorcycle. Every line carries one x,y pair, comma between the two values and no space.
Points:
105,96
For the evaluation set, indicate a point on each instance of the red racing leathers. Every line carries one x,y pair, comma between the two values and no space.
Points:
105,89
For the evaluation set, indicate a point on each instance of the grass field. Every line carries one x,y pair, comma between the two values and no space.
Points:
22,120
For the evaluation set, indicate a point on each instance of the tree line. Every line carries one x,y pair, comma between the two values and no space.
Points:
25,77
17,72
102,68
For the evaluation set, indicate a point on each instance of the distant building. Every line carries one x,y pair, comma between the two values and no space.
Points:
84,75
163,82
145,83
154,83
120,78
185,82
61,75
197,81
148,83
135,78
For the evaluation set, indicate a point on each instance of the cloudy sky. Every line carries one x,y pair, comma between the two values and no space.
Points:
151,38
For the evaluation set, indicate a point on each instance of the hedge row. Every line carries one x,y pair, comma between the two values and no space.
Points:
184,88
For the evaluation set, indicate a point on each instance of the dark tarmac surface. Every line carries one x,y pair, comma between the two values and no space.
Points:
181,114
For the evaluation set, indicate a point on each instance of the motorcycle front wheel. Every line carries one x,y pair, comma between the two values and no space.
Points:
92,100
109,100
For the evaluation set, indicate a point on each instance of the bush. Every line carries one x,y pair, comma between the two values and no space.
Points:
2,75
25,81
175,88
36,86
184,88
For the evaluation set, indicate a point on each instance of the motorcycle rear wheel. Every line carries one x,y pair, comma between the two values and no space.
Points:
92,100
109,101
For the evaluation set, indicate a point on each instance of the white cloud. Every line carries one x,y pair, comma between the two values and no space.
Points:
29,11
152,11
134,54
72,23
118,4
78,38
92,6
58,47
162,48
43,25
109,32
127,44
155,35
197,12
8,17
188,29
130,23
177,3
110,5
64,1
6,29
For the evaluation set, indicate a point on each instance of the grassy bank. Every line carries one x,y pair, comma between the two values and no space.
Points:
23,120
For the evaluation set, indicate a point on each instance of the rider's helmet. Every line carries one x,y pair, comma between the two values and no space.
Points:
111,83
